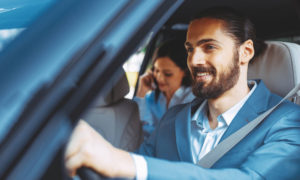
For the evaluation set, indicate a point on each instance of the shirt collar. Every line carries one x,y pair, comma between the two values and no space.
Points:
200,115
181,91
227,116
202,108
232,112
178,93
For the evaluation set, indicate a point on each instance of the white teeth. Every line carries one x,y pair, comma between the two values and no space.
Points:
202,74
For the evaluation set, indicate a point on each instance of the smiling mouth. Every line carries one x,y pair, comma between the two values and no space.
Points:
199,74
203,76
203,73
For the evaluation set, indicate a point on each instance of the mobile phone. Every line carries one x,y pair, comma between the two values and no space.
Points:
154,84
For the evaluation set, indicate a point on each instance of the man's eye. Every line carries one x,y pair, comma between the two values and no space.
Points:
210,47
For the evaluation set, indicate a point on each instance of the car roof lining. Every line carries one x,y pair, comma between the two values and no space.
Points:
273,18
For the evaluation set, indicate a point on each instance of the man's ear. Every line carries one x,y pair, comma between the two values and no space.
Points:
246,52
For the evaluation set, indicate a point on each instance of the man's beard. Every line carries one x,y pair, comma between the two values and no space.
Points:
214,89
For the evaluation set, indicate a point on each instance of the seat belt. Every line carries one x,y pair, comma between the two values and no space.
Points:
214,155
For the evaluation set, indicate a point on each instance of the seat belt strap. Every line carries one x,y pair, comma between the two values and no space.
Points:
214,155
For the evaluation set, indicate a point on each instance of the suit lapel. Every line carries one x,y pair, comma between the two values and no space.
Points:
245,115
183,131
255,105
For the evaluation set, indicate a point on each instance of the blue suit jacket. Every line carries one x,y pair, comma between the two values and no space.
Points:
270,151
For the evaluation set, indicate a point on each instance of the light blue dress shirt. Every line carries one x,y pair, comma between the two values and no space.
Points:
151,110
203,138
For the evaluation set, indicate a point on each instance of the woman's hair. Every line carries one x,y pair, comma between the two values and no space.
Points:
175,50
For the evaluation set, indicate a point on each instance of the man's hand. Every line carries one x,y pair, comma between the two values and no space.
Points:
88,148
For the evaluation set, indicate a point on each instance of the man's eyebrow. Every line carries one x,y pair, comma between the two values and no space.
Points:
202,41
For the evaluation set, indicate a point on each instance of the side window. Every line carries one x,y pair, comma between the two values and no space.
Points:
132,67
7,35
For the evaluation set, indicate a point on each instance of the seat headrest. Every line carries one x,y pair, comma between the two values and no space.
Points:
118,89
278,66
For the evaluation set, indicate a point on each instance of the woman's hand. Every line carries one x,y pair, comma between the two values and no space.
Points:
145,84
88,148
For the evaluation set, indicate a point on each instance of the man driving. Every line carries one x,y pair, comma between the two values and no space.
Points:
220,44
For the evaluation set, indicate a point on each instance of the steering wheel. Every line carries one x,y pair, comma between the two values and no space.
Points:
89,174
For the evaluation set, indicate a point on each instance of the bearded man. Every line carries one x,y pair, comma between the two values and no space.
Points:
220,43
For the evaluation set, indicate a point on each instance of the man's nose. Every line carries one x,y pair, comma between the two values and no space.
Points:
197,57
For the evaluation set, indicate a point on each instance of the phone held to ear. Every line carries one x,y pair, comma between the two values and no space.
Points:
153,85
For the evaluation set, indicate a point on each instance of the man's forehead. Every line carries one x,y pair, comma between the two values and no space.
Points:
207,20
205,28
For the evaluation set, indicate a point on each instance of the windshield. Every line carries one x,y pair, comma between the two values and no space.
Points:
16,15
47,47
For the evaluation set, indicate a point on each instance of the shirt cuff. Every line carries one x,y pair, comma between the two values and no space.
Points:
140,166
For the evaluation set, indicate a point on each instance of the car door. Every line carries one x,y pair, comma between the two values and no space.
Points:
52,71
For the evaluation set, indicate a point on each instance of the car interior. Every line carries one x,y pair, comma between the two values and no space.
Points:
278,67
117,117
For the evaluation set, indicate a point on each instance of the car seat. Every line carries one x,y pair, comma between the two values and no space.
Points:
278,66
116,118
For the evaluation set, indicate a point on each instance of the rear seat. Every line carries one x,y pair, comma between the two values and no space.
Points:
117,118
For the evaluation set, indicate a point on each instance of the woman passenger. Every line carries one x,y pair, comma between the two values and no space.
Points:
166,85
